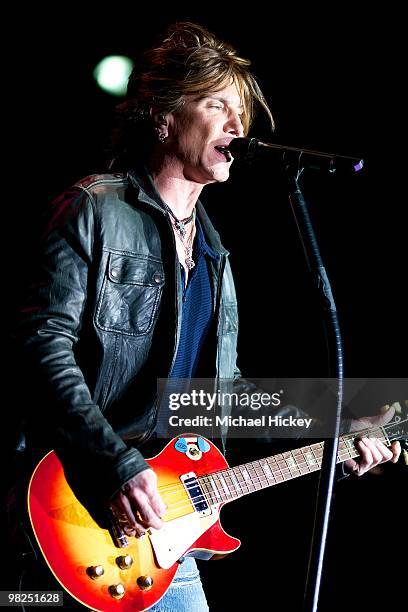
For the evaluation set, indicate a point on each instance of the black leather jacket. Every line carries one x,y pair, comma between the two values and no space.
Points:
102,322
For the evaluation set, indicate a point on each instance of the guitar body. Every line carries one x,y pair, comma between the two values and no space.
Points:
72,542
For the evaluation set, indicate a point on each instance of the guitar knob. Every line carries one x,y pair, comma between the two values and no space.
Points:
145,583
124,562
117,591
95,571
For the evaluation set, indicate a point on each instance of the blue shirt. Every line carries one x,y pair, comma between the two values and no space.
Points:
197,309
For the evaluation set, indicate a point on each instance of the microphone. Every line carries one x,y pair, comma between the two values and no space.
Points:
248,149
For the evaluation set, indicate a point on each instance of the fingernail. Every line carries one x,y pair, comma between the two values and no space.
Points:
397,407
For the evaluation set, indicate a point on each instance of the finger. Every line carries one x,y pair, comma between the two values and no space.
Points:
148,486
396,451
386,454
366,458
150,491
125,508
352,466
158,505
121,511
142,510
376,454
148,515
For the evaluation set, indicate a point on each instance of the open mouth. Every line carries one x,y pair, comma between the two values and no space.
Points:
222,149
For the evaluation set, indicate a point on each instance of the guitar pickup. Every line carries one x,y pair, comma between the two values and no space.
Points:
195,493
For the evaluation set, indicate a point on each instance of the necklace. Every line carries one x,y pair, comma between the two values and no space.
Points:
180,224
181,231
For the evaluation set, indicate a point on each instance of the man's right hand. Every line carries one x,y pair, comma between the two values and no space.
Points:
138,504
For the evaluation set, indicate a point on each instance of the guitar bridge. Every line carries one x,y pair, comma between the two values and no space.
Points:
117,534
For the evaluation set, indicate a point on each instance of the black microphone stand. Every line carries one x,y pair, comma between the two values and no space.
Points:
321,282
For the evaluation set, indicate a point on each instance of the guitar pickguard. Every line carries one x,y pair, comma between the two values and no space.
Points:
176,536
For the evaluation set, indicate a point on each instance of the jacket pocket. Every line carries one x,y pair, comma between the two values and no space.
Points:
130,294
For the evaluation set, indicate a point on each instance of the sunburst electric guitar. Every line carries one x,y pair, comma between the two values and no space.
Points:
106,571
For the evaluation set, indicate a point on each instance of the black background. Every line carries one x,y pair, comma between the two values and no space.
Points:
333,84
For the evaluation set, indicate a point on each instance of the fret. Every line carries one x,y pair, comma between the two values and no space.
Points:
224,485
283,466
385,437
275,469
211,489
319,448
232,483
373,433
218,486
252,470
261,474
292,464
351,448
235,481
204,483
240,479
222,488
250,476
304,468
246,477
213,486
243,484
343,448
297,458
316,463
201,484
346,453
267,471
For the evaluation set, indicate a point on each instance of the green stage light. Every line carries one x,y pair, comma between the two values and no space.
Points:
112,74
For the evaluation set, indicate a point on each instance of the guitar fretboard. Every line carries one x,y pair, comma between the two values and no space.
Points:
229,484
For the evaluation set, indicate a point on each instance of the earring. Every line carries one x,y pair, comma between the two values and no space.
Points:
161,136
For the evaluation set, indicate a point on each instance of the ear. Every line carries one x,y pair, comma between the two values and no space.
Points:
160,124
159,118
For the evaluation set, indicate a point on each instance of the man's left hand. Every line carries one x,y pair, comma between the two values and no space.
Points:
372,450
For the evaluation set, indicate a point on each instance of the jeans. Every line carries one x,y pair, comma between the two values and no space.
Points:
185,593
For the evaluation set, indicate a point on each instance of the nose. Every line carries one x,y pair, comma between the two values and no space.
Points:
234,125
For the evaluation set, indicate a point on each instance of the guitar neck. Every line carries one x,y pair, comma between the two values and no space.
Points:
227,485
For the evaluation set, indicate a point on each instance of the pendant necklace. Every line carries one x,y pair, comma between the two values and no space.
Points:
180,227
